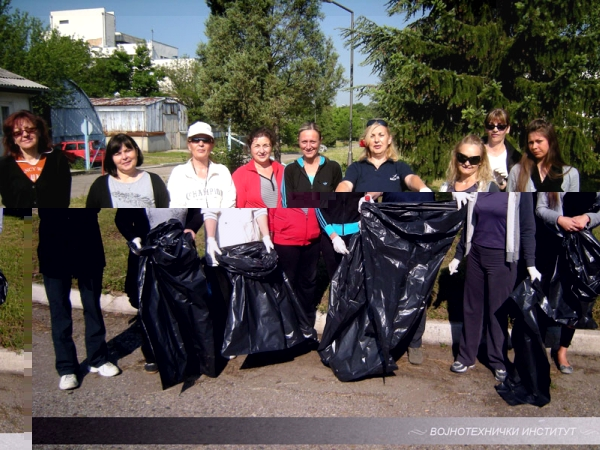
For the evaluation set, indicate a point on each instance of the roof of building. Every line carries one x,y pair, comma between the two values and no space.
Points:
130,101
12,81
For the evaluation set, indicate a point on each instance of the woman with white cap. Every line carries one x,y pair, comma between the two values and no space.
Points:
200,182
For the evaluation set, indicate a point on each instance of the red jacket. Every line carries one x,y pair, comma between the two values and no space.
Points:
290,226
247,185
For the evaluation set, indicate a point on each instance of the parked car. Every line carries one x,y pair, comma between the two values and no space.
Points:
75,150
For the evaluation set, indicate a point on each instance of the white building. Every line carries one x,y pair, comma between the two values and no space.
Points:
98,28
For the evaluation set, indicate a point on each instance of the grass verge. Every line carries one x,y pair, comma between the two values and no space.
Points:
15,262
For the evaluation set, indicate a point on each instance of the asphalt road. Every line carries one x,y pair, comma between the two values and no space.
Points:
81,183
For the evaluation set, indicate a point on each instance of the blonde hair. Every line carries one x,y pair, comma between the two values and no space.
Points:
391,152
484,170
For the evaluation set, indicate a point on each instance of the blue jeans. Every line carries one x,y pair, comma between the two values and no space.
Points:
58,292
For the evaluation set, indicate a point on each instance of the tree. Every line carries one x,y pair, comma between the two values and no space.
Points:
110,75
181,83
459,59
145,77
266,63
41,55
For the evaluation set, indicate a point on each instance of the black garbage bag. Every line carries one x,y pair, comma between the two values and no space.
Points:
264,313
173,305
3,288
575,284
531,382
349,345
381,288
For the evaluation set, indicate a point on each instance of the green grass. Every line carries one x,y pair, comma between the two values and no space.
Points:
15,252
152,159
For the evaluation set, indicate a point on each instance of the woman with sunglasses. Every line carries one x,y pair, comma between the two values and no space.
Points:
501,154
378,168
542,168
124,185
469,169
32,174
200,182
500,229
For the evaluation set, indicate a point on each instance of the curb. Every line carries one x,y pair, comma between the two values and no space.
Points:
13,362
437,332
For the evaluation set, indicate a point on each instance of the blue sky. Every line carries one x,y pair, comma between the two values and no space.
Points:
181,23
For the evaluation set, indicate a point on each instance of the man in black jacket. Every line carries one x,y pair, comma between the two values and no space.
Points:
70,245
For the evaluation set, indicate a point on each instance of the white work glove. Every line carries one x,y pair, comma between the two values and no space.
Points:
366,198
339,245
534,273
268,244
501,172
425,189
453,266
462,198
136,245
211,249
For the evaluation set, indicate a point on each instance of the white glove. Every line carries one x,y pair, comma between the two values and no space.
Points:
268,244
453,266
339,245
425,189
366,198
211,248
136,245
534,273
501,172
461,198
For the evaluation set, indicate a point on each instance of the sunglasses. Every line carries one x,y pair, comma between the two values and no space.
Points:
491,126
195,140
378,121
473,160
29,130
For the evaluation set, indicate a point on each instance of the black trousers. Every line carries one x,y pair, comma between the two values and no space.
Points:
58,292
299,263
489,280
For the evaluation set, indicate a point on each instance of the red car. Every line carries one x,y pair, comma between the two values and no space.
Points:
75,150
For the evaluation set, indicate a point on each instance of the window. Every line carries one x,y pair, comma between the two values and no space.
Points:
64,22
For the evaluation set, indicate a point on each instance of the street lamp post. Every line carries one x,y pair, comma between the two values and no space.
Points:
351,71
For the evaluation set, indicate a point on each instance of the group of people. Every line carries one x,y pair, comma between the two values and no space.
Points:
309,208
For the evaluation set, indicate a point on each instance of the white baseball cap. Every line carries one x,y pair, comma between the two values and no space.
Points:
200,128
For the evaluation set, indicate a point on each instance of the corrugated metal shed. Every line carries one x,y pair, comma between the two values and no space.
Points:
12,81
143,116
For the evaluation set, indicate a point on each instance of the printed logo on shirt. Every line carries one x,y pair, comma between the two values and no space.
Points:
324,183
395,178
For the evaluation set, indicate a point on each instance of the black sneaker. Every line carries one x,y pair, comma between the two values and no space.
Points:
150,368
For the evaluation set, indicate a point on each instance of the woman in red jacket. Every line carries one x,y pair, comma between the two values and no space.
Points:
258,183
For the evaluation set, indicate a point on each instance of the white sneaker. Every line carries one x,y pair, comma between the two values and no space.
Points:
68,382
107,369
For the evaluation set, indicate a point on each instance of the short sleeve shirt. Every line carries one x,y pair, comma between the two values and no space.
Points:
389,177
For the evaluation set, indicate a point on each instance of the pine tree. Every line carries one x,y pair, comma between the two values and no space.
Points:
459,59
266,63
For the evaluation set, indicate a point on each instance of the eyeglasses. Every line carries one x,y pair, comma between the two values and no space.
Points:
463,159
378,121
196,140
491,126
28,130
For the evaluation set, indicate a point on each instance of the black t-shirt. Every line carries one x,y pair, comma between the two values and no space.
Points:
389,177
